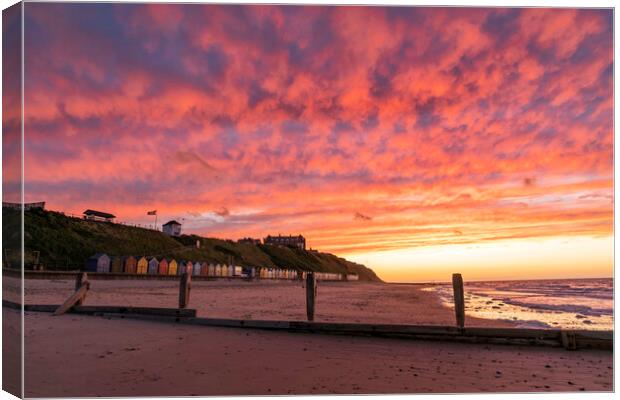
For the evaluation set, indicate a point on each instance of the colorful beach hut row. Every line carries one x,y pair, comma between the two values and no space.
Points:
103,263
142,265
277,273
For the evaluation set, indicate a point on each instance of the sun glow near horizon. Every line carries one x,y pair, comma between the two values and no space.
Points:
550,258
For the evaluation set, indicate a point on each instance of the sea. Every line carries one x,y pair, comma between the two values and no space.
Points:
568,303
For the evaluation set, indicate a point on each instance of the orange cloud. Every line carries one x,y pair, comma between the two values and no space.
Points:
495,123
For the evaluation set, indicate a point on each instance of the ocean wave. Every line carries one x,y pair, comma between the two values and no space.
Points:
570,308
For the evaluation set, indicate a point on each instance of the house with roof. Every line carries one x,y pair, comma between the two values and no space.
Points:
289,241
172,228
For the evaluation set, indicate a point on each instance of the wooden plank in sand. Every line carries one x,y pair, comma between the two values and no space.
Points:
520,336
171,312
594,339
81,280
237,323
157,311
184,288
310,295
569,340
459,299
72,300
11,304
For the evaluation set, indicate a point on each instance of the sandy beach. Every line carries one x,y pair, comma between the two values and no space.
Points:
276,300
113,357
139,358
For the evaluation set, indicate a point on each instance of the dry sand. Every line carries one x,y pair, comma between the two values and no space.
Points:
75,355
276,300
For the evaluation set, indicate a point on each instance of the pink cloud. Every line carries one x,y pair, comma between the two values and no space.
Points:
296,118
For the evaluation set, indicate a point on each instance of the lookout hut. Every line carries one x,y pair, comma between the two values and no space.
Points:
93,215
142,266
116,266
130,264
99,262
172,228
173,267
153,266
163,267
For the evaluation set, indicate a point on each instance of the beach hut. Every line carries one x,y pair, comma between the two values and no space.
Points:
116,266
211,270
218,270
142,266
153,266
182,267
231,271
248,272
173,267
189,266
204,271
197,268
130,264
163,267
99,262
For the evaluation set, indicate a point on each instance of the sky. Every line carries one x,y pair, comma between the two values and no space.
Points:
418,141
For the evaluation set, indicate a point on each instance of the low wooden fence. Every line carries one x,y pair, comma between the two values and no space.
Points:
569,339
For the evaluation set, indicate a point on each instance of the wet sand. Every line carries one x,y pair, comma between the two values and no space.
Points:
73,355
91,356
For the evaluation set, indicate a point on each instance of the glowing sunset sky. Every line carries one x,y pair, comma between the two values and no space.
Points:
419,141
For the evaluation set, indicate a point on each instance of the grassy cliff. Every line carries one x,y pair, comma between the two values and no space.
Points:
65,243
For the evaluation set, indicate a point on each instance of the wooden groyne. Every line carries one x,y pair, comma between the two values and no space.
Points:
569,339
580,339
120,311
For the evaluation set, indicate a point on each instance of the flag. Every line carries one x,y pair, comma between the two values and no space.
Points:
154,212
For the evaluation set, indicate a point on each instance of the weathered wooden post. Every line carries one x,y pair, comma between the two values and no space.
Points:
81,287
81,279
459,299
310,295
184,288
569,340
